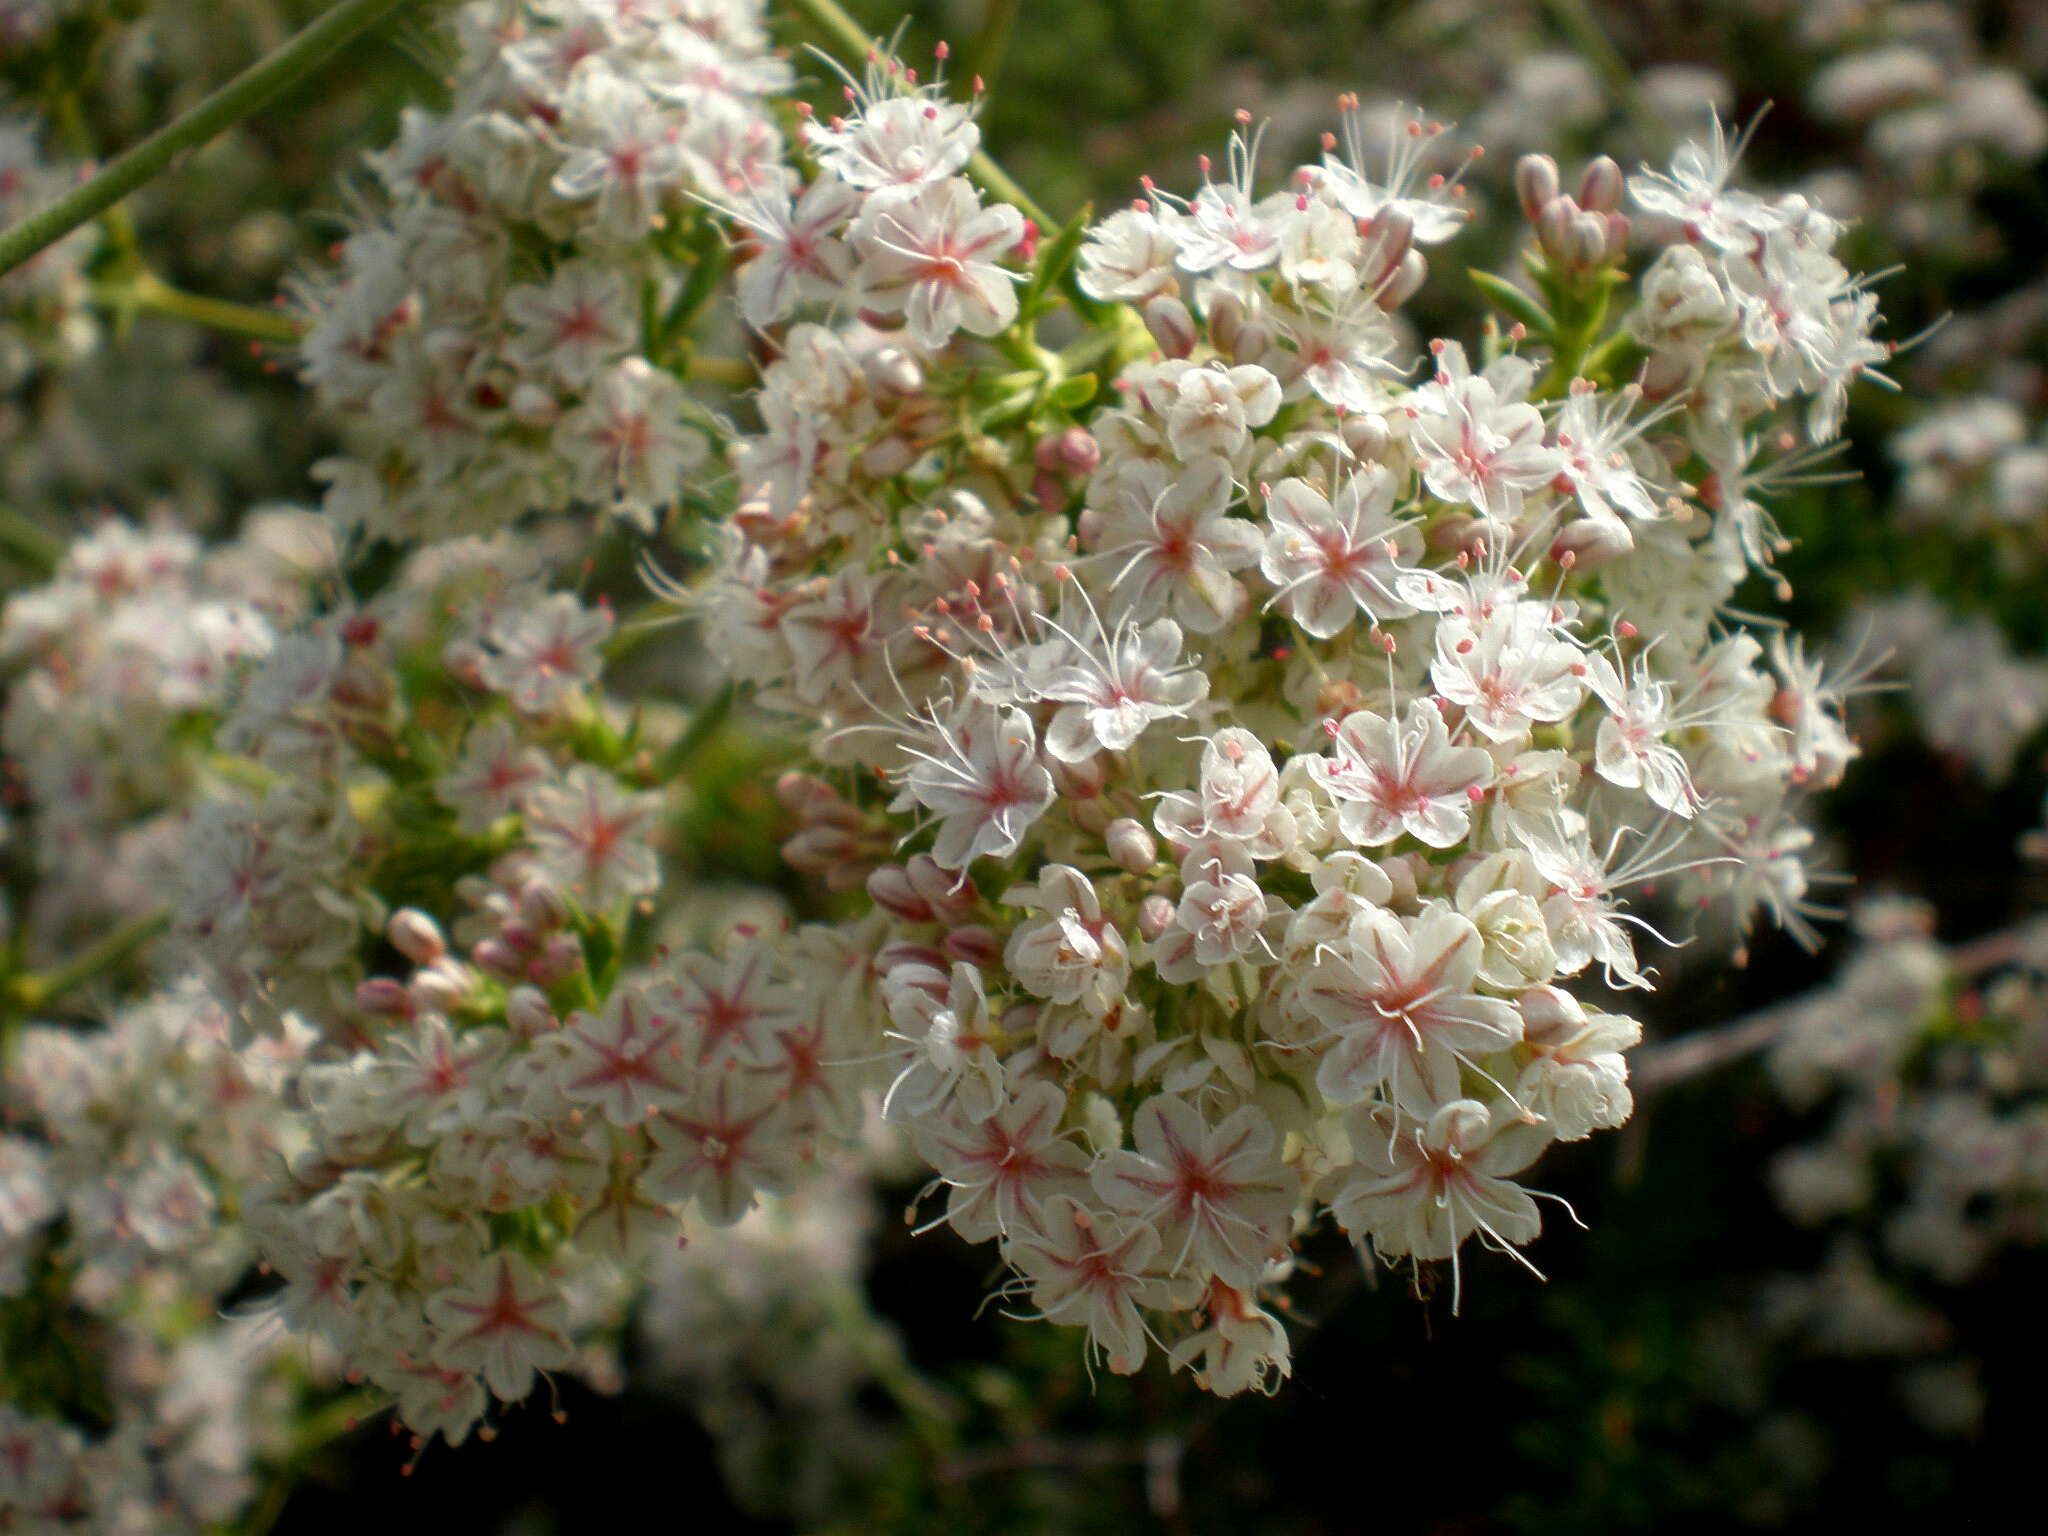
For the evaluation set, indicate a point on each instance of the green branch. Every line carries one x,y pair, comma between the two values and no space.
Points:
148,293
240,97
34,990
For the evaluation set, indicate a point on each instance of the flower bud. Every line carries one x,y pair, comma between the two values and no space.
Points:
974,944
1535,184
1585,242
1080,781
1171,325
439,989
1405,283
893,371
416,936
903,955
1155,915
1593,541
1553,221
561,957
1618,228
1226,314
1076,452
527,1011
1400,871
1600,186
542,906
384,996
499,960
1133,848
533,406
1088,527
361,686
1366,434
887,457
949,894
893,892
1253,340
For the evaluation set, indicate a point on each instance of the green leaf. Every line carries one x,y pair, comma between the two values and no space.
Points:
1511,301
1055,261
1071,393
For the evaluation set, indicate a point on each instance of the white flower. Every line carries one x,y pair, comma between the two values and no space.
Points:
932,256
1422,1190
1395,995
1113,691
1334,559
1388,780
943,1034
1219,1197
979,771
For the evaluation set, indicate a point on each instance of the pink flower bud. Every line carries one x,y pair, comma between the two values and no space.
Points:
1536,184
562,956
975,944
1600,186
498,959
887,457
1253,340
1553,221
1171,325
542,906
1155,915
1134,849
947,892
440,989
1079,453
416,936
385,997
1406,282
527,1011
1226,314
1585,242
1593,541
893,891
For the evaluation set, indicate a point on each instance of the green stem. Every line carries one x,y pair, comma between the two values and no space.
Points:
38,989
148,292
850,37
240,97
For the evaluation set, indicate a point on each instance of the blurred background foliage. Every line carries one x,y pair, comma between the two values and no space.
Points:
1638,1389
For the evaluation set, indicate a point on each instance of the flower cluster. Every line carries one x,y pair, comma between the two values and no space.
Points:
129,1152
502,328
118,664
1272,736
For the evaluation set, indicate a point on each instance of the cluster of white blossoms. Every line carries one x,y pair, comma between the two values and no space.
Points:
45,312
430,852
1267,750
1971,694
110,664
502,329
1935,1063
129,1151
